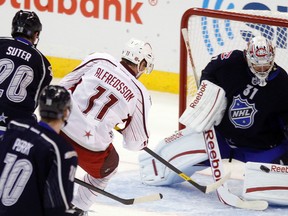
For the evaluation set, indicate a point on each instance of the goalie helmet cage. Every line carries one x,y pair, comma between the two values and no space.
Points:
212,32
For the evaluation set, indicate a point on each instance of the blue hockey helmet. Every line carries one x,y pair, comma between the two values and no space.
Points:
53,101
25,23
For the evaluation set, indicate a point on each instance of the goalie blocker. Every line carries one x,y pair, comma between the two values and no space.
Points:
206,109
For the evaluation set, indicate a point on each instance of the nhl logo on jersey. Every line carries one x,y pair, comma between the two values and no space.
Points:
241,113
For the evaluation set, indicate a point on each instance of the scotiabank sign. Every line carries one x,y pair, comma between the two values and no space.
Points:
88,8
86,26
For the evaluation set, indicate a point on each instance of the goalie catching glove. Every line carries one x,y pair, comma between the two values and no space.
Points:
206,109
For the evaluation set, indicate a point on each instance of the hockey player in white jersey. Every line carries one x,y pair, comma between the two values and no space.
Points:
106,93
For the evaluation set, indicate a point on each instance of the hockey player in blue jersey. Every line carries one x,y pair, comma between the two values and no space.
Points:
254,124
243,94
37,166
25,71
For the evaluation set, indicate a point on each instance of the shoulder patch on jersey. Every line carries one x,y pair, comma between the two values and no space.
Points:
241,113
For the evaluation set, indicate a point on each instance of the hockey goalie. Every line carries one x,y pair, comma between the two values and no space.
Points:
243,95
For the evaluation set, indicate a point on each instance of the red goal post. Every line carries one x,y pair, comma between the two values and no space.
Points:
212,32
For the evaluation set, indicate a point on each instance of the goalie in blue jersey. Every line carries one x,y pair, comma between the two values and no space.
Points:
255,119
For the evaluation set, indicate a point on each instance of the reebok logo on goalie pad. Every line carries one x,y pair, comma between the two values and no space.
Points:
214,154
173,137
199,95
279,169
241,113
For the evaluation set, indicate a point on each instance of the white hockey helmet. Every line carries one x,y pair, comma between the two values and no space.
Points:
260,55
135,51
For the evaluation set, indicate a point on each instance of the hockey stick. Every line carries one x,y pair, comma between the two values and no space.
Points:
204,189
188,47
131,201
211,143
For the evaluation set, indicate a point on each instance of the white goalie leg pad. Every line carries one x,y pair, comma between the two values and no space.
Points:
206,109
265,181
183,149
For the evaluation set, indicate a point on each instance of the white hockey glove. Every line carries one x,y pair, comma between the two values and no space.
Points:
265,181
183,149
206,109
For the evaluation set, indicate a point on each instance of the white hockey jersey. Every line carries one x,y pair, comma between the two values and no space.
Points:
104,94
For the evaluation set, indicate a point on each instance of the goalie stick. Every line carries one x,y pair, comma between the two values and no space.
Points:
211,143
204,189
131,201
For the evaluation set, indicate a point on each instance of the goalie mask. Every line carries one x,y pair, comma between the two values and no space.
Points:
136,51
260,56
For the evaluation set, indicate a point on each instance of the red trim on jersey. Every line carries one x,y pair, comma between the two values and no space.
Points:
94,59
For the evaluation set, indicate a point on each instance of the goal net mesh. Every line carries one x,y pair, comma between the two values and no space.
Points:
213,32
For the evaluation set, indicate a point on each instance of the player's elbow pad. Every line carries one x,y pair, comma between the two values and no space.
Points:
206,109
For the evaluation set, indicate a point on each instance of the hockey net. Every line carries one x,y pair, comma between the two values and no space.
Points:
212,32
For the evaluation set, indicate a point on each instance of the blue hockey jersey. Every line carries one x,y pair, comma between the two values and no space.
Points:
255,115
25,71
37,170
